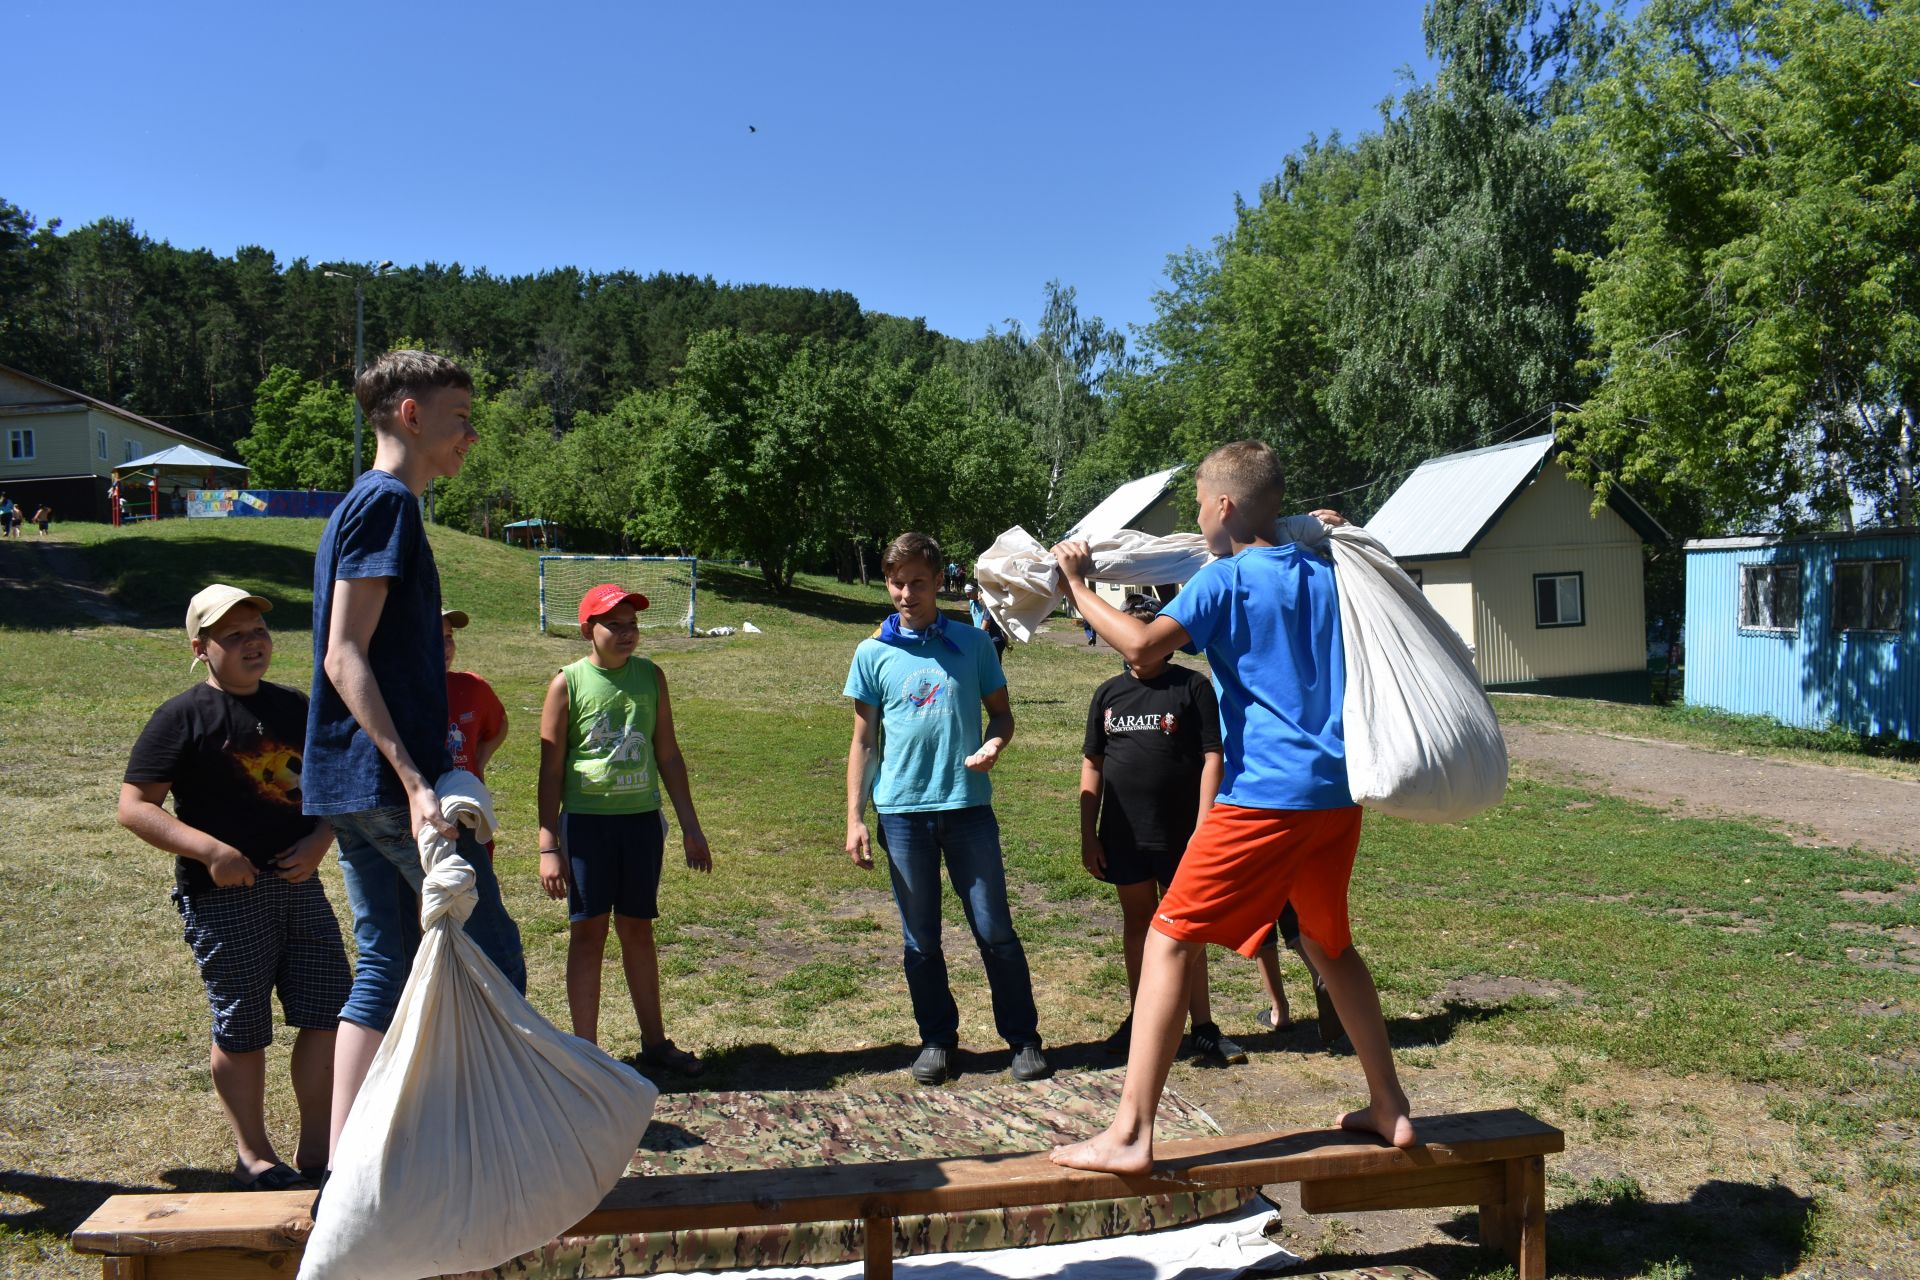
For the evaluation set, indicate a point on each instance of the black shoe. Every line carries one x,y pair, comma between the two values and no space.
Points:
934,1065
1208,1042
1122,1038
1030,1064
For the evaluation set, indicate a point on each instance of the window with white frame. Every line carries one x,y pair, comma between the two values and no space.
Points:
133,451
100,442
1559,600
1867,595
20,444
1770,597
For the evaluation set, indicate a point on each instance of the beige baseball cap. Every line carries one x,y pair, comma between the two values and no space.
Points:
454,616
212,604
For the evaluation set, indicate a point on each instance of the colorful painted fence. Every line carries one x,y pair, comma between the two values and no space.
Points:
212,503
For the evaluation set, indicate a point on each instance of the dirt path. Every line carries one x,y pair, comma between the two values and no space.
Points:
1818,804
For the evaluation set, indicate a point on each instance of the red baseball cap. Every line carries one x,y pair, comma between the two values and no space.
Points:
607,597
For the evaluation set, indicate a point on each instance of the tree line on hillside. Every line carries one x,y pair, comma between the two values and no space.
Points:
1684,241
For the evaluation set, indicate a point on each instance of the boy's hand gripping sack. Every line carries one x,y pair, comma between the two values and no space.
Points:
1422,740
482,1131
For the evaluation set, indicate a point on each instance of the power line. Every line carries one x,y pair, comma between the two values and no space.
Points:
1525,422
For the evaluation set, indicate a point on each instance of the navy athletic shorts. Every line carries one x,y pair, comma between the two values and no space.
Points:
615,860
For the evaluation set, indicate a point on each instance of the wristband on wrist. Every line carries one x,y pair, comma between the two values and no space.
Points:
555,849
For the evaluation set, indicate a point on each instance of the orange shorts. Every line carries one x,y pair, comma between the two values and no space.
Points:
1244,865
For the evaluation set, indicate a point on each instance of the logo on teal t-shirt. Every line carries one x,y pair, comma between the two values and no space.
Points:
929,693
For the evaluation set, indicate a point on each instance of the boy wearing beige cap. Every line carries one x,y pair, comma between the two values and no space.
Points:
255,914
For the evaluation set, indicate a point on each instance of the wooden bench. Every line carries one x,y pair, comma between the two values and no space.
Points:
1494,1160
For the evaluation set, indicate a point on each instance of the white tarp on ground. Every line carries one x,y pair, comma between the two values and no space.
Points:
482,1131
1422,741
1217,1249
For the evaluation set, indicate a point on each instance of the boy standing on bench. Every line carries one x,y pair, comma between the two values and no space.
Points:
377,733
254,912
1284,827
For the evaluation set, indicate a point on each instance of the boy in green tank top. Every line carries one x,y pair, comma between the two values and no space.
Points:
606,748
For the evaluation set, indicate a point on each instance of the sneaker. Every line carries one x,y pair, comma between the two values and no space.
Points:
1030,1064
1122,1038
1209,1042
933,1066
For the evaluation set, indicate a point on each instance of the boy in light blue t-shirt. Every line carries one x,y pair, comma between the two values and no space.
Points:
926,683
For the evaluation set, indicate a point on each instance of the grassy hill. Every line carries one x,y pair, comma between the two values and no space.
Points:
1696,1002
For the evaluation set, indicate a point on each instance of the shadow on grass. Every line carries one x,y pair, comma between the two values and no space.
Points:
766,1066
148,583
66,1202
1723,1231
153,580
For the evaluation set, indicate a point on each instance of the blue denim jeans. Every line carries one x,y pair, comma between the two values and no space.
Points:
381,865
970,841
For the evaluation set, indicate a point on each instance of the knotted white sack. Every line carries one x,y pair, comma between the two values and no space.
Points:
482,1131
1020,584
1422,740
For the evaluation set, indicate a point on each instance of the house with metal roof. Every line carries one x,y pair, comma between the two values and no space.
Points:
62,448
1550,593
1146,504
1814,631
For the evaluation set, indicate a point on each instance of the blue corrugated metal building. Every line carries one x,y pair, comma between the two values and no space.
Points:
1814,631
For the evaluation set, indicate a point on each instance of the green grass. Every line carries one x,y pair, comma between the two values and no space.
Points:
1654,967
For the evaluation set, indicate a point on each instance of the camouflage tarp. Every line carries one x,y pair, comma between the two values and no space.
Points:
713,1132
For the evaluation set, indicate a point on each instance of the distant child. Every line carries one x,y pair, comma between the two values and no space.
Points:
1284,827
255,914
377,732
476,721
43,517
1149,767
606,747
6,515
977,612
922,686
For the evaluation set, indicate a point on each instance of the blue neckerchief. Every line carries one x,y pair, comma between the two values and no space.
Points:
891,632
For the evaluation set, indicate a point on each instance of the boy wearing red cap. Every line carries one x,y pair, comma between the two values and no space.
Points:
606,747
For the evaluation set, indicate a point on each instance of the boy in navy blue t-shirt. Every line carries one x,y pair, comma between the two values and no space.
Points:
377,730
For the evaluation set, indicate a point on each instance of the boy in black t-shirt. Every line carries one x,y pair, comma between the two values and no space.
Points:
1150,766
245,858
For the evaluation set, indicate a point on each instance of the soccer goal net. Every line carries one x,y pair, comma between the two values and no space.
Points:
668,583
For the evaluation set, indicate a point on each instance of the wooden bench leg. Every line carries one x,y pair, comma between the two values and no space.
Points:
123,1268
879,1246
1516,1224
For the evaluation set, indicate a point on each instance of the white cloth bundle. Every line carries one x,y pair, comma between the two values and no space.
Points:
1020,584
482,1131
1422,741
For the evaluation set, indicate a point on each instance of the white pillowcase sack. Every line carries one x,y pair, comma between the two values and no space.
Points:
482,1131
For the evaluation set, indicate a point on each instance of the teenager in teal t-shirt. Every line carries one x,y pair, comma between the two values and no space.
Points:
925,683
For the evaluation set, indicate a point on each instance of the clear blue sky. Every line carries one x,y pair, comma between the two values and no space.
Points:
934,161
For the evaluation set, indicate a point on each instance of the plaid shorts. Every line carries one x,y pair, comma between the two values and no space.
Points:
250,942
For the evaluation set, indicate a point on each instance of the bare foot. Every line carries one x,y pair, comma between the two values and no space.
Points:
1383,1120
1107,1152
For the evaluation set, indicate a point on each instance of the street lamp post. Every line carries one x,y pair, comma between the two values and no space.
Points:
359,343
